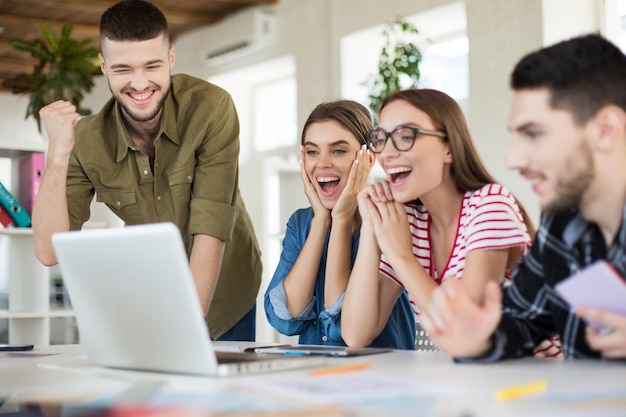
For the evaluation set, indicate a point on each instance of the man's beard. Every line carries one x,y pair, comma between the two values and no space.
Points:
570,189
138,118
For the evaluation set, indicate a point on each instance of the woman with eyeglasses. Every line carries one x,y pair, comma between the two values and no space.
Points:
439,215
306,292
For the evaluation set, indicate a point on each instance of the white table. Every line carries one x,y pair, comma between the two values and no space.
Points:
398,383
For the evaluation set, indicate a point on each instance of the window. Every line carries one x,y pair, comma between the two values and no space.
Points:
274,118
265,96
444,47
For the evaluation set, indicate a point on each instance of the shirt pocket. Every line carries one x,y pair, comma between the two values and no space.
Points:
122,203
179,182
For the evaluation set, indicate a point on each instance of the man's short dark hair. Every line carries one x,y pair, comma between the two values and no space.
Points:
584,74
132,20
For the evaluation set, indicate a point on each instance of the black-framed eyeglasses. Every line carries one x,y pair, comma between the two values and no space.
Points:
402,137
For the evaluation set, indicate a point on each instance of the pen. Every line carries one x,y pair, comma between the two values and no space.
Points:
295,353
523,390
340,369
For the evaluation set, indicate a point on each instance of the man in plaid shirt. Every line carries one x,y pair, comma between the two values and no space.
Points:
568,125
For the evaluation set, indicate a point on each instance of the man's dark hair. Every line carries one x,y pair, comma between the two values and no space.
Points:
584,74
132,20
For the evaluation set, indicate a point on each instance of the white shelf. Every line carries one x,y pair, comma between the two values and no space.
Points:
61,313
8,314
16,231
29,316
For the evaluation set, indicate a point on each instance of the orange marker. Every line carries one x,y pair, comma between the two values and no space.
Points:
340,369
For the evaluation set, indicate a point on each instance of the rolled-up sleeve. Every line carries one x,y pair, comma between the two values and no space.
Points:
278,298
204,209
330,319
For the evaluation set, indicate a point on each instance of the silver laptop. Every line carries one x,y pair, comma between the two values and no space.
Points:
136,305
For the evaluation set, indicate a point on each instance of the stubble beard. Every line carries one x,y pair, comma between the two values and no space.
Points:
571,188
137,117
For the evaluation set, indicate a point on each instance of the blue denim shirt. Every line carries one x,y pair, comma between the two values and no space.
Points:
317,325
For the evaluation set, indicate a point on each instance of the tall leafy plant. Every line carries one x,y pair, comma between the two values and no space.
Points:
65,70
398,63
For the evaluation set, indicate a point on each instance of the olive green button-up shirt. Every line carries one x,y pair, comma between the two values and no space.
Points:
194,183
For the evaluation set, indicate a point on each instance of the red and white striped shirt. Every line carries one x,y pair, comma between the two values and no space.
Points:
489,218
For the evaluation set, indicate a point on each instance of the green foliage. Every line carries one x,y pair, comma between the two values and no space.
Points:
65,70
398,64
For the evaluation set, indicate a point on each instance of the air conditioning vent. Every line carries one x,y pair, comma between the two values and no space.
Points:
239,36
227,50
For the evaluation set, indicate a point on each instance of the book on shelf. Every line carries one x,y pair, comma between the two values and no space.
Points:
5,217
30,173
19,215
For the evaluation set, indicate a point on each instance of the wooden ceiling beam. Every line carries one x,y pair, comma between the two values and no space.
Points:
18,65
78,30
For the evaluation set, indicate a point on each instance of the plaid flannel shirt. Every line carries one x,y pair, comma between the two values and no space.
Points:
532,309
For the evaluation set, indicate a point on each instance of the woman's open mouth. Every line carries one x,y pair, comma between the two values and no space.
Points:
397,174
328,184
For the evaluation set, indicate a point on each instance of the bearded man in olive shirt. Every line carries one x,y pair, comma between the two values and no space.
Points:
164,148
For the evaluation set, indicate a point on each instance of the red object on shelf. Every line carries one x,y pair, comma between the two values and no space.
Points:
5,217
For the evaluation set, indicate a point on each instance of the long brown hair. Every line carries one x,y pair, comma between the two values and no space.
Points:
467,169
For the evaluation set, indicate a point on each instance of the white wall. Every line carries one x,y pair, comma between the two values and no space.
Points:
14,125
500,32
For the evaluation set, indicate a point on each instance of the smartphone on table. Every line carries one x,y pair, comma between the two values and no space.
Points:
15,347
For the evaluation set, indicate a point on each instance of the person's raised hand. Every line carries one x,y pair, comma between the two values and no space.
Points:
367,196
457,324
59,120
391,227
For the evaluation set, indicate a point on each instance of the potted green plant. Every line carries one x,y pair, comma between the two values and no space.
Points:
398,63
65,70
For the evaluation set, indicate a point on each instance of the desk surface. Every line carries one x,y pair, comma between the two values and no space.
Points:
61,382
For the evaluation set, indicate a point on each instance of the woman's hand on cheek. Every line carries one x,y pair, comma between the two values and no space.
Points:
346,204
310,191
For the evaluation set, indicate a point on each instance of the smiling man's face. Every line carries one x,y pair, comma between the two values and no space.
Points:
138,73
550,150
